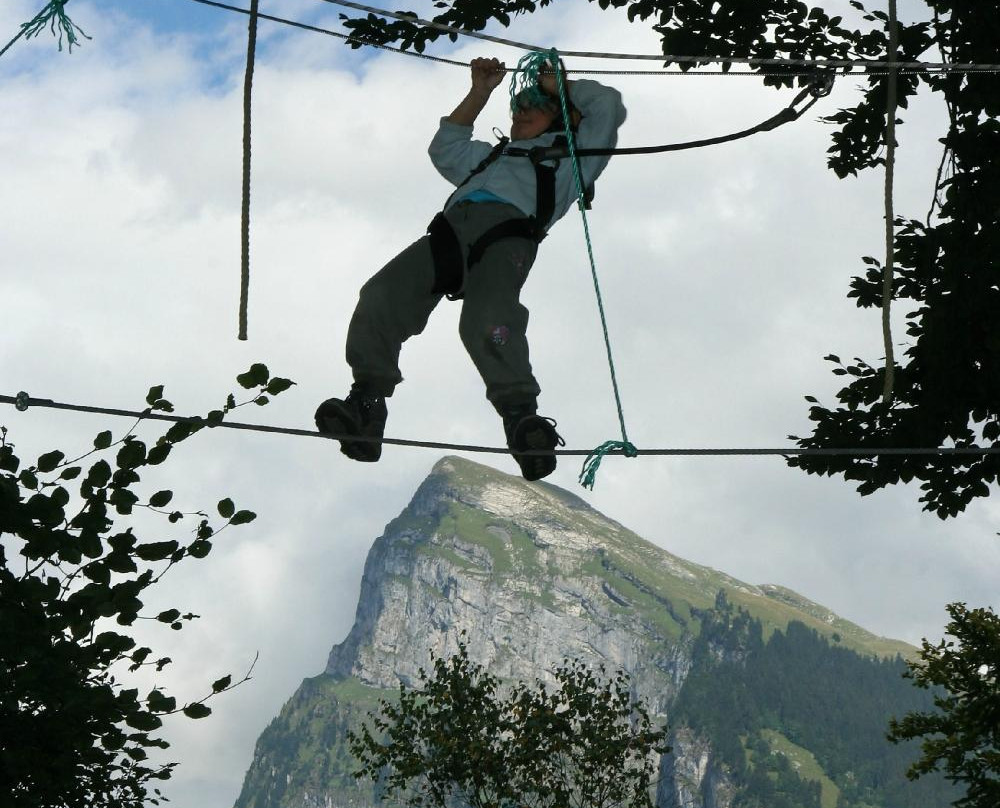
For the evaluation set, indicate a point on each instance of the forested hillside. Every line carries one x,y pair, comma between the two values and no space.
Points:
762,702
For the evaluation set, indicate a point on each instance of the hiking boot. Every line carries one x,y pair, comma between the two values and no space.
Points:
363,413
525,431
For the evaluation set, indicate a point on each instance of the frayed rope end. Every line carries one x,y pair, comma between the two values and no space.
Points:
588,475
54,15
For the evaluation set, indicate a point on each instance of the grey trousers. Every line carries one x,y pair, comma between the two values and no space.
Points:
397,301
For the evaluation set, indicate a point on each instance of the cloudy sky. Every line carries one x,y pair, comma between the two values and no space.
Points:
724,273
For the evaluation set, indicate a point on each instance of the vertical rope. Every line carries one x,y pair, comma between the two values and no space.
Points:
890,218
245,217
593,461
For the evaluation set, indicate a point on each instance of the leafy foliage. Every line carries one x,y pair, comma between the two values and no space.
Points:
73,572
463,735
963,735
947,390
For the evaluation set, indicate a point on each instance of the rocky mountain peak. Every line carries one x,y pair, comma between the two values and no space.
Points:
527,574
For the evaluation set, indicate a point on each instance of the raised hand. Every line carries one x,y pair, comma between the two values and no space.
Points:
487,74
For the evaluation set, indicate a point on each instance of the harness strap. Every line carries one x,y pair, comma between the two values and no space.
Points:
512,228
446,253
497,150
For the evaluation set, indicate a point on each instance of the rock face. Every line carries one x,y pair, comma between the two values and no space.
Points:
528,575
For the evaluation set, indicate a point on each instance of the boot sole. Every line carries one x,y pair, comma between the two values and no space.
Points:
535,467
333,419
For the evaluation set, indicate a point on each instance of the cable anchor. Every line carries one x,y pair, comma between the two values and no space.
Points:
22,401
821,84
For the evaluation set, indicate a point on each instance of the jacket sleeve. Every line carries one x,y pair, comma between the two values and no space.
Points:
453,151
603,112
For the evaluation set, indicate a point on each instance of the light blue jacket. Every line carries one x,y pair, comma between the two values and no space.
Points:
454,153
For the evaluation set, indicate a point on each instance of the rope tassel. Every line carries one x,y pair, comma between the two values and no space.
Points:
588,475
55,18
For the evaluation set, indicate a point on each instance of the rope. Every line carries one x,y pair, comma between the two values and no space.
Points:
875,68
918,66
593,462
55,15
787,115
245,215
22,402
890,218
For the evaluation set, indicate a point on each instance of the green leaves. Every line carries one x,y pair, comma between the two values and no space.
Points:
155,400
132,454
161,499
156,551
197,710
276,386
959,737
459,733
242,517
49,461
82,574
221,684
226,508
257,376
158,702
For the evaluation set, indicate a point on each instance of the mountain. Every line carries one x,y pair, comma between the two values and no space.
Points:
772,700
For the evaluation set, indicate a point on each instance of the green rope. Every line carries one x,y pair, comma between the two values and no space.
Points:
532,65
525,88
54,16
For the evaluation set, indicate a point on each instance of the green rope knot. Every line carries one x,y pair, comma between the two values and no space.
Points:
524,86
588,476
54,16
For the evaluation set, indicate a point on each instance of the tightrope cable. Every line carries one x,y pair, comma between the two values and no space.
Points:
23,402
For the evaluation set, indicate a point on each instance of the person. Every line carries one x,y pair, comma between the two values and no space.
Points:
479,249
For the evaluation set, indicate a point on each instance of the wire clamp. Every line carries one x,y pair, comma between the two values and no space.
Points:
821,84
22,401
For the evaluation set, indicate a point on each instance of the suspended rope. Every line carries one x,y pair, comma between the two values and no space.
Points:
23,402
538,61
245,216
890,217
817,89
863,67
53,15
816,63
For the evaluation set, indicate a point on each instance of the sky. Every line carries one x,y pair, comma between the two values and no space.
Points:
724,273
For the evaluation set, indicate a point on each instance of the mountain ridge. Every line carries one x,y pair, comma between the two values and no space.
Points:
527,575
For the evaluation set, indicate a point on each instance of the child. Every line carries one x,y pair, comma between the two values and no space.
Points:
479,248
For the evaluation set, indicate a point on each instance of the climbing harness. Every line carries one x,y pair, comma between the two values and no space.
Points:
445,247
